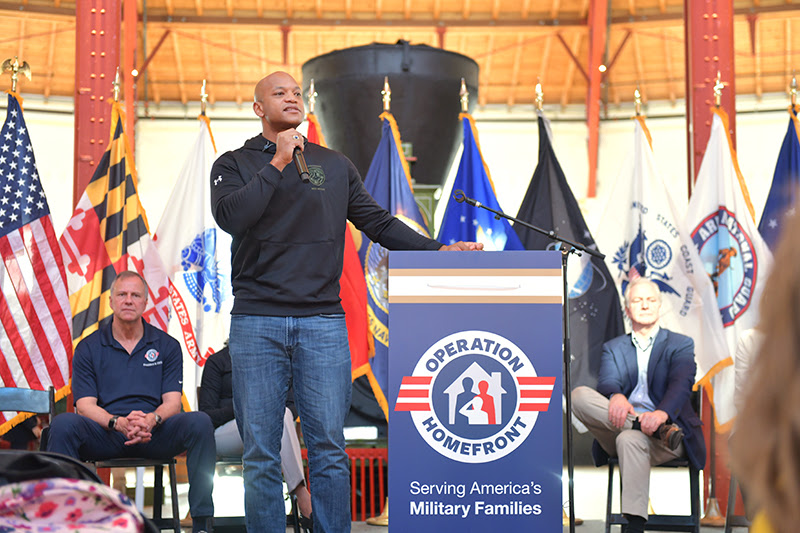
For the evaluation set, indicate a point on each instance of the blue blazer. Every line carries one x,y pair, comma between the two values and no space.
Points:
670,377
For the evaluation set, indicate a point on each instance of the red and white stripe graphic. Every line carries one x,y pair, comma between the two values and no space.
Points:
415,394
535,393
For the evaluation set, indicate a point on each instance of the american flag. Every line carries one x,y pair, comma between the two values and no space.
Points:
35,317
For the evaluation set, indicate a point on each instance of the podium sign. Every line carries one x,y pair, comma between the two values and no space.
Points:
475,365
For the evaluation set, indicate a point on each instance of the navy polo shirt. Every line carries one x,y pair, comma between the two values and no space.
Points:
122,382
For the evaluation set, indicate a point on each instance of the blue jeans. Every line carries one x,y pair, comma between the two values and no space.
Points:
266,352
84,439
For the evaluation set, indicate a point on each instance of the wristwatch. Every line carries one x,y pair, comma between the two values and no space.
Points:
112,422
159,420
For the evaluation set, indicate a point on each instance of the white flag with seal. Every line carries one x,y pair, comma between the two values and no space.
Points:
643,234
735,257
196,254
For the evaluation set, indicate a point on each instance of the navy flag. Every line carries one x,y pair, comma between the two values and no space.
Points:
785,182
595,313
389,182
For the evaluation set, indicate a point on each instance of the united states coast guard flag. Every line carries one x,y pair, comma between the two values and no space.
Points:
35,335
107,234
644,236
463,222
389,182
595,314
196,254
785,189
734,256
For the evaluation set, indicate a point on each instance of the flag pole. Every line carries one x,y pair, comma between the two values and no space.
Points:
713,516
203,98
570,248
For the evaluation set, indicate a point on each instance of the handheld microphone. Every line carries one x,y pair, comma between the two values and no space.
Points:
300,163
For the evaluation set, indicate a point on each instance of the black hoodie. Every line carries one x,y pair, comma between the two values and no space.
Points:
288,236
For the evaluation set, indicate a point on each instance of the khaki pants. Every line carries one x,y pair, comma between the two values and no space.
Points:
635,450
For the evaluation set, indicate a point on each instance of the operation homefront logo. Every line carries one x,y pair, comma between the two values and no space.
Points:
474,396
727,253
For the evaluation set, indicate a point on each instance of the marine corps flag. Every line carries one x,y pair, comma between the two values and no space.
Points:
389,182
783,192
107,234
463,222
353,287
35,336
197,256
735,257
644,236
595,314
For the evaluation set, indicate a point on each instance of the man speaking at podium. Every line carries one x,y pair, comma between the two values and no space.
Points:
641,410
288,323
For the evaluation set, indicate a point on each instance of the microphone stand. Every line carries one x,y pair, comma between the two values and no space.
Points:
570,248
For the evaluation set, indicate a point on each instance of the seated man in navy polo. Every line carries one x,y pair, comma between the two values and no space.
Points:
127,382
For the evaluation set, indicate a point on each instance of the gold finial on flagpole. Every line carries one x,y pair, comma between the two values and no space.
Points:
539,94
203,98
312,97
718,86
464,97
15,69
116,85
637,101
387,94
793,90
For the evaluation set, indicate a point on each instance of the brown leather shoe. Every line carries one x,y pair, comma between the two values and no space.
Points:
670,435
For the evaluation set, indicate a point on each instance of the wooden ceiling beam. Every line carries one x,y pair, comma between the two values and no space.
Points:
632,7
485,73
262,45
496,9
179,67
515,71
575,61
437,9
198,7
466,10
318,9
662,6
637,59
21,43
348,9
289,11
788,55
406,9
235,66
757,58
378,9
555,8
170,7
208,73
260,8
546,54
525,10
670,72
229,7
51,54
571,67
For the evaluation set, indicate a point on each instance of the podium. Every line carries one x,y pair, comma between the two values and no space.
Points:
475,386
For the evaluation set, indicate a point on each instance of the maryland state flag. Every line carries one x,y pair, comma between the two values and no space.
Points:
108,233
389,182
353,286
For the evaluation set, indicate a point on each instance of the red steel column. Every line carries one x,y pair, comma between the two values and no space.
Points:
598,14
97,55
709,49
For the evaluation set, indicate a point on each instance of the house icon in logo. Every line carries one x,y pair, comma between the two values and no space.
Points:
483,392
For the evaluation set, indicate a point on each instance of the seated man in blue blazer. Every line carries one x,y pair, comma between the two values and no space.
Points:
641,411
